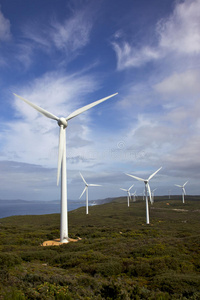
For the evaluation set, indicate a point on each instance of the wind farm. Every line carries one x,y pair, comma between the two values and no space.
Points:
86,210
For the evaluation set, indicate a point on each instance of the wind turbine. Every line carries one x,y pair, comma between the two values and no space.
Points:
147,188
86,190
143,195
183,190
128,194
63,123
134,196
152,196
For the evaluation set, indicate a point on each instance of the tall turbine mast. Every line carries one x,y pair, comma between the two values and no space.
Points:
128,194
183,190
134,196
86,191
63,123
152,195
147,189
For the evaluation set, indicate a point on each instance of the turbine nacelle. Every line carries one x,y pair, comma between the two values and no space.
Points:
62,121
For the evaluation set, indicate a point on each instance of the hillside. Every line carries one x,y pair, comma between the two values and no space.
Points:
119,256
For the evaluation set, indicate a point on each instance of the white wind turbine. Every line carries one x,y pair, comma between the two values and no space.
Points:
143,195
183,190
63,123
147,188
152,196
128,194
134,196
86,190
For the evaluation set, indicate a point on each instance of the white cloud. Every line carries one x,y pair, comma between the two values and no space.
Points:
67,36
184,84
5,33
179,33
73,33
128,56
168,137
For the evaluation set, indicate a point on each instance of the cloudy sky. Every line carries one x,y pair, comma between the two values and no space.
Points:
65,54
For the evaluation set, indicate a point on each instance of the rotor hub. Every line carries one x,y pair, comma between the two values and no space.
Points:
62,121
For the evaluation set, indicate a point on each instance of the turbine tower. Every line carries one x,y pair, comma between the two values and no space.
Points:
86,190
63,123
147,188
143,195
152,196
134,196
183,190
128,194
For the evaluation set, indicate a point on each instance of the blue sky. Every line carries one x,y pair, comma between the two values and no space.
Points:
63,55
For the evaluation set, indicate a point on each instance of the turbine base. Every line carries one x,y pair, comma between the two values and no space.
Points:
65,241
57,242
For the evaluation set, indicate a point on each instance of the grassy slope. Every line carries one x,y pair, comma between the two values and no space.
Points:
119,256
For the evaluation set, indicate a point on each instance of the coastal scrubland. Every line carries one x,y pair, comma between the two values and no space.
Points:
118,256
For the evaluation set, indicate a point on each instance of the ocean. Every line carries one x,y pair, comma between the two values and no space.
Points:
19,207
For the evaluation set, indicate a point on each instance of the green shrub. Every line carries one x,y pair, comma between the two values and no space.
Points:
42,255
9,260
90,269
13,294
111,291
182,284
140,268
109,268
33,278
53,291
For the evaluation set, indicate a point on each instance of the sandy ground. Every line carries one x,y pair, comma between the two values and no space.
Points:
57,242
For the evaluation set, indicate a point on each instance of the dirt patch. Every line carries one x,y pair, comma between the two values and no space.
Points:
57,242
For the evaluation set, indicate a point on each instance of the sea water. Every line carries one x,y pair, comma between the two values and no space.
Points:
14,208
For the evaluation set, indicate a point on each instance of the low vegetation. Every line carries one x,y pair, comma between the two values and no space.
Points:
118,256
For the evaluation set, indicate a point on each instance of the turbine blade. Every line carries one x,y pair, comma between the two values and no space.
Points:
83,192
185,183
91,184
184,191
39,109
60,151
86,107
149,190
83,178
178,185
138,178
154,173
130,187
123,189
